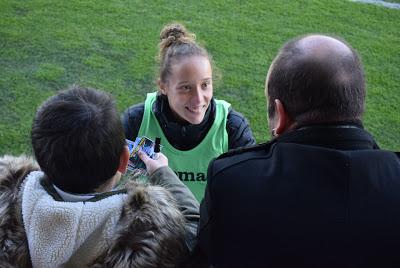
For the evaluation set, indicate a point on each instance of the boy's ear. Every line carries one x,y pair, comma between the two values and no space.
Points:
123,160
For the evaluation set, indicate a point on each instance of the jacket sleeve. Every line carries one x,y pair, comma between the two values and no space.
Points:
239,132
187,203
131,120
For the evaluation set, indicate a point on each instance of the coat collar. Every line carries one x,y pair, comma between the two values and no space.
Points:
341,136
60,195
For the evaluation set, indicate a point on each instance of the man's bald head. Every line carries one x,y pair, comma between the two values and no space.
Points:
318,79
321,46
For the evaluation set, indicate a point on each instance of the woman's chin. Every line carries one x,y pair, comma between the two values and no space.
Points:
195,120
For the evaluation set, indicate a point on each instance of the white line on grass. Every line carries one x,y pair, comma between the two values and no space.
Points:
379,3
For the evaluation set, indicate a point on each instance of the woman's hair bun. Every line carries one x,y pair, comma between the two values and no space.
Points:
175,33
176,42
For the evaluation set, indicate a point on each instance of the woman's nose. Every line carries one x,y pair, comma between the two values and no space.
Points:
197,95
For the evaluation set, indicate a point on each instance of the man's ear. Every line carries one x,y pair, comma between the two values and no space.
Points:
161,87
123,160
283,121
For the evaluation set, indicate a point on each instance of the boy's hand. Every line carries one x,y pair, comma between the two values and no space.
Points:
153,164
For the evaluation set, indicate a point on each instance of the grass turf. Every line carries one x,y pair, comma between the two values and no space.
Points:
111,45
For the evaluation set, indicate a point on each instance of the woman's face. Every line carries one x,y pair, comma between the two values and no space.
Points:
189,88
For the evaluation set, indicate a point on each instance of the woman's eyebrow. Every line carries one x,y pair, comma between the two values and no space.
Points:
184,82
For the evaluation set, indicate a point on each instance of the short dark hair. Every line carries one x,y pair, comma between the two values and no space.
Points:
77,138
314,90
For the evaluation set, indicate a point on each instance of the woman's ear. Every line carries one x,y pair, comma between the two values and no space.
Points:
161,87
123,160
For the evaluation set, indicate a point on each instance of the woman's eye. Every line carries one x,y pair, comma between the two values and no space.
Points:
185,87
205,84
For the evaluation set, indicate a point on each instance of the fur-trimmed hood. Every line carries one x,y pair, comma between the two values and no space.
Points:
149,230
13,243
150,233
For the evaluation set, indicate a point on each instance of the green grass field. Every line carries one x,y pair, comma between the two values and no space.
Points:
46,46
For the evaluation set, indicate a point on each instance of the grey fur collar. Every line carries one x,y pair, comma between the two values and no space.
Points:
150,233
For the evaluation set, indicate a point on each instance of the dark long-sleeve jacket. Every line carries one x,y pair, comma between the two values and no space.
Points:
318,196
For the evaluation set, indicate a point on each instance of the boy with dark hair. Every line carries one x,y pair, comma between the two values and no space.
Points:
78,140
71,214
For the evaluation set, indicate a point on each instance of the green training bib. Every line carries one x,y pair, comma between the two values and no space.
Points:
190,166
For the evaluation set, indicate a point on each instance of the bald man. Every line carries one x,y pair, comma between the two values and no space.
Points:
320,193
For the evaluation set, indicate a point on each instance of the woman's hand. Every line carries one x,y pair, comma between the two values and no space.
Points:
153,164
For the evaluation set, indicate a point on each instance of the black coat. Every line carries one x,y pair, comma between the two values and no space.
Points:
322,196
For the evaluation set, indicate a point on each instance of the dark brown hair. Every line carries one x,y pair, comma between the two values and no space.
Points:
77,138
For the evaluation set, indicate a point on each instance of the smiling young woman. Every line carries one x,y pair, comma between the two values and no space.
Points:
193,126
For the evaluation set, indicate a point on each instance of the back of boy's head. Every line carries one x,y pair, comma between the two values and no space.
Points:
77,139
